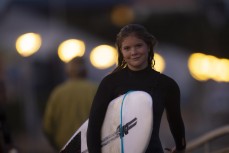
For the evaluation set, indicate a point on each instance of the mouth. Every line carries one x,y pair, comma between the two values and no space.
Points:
136,58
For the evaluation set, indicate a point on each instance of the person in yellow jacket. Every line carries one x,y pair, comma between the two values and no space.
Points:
69,104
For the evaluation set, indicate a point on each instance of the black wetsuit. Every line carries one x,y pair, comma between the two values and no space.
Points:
165,94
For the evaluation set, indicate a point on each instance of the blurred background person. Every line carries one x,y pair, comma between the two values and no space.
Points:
69,104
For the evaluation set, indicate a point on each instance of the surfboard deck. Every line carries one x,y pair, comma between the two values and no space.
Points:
137,123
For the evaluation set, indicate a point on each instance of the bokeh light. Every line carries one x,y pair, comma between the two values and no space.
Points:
122,15
222,69
159,62
27,44
71,48
204,67
103,56
197,66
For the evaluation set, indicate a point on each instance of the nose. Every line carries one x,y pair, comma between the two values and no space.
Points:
133,51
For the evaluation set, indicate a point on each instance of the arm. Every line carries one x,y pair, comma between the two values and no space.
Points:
96,117
174,115
49,124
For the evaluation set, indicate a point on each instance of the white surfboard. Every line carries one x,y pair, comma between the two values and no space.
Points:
136,109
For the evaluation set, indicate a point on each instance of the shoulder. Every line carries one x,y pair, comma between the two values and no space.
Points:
90,85
87,83
114,76
110,80
168,81
60,87
58,91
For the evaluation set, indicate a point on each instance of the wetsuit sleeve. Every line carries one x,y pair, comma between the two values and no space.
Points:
174,115
96,117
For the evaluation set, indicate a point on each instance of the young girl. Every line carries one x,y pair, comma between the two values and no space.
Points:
135,72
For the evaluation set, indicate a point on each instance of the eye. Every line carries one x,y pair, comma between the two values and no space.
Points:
126,48
139,45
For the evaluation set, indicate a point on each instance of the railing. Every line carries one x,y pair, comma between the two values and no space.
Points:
204,141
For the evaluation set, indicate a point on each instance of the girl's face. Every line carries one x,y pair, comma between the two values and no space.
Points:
135,52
